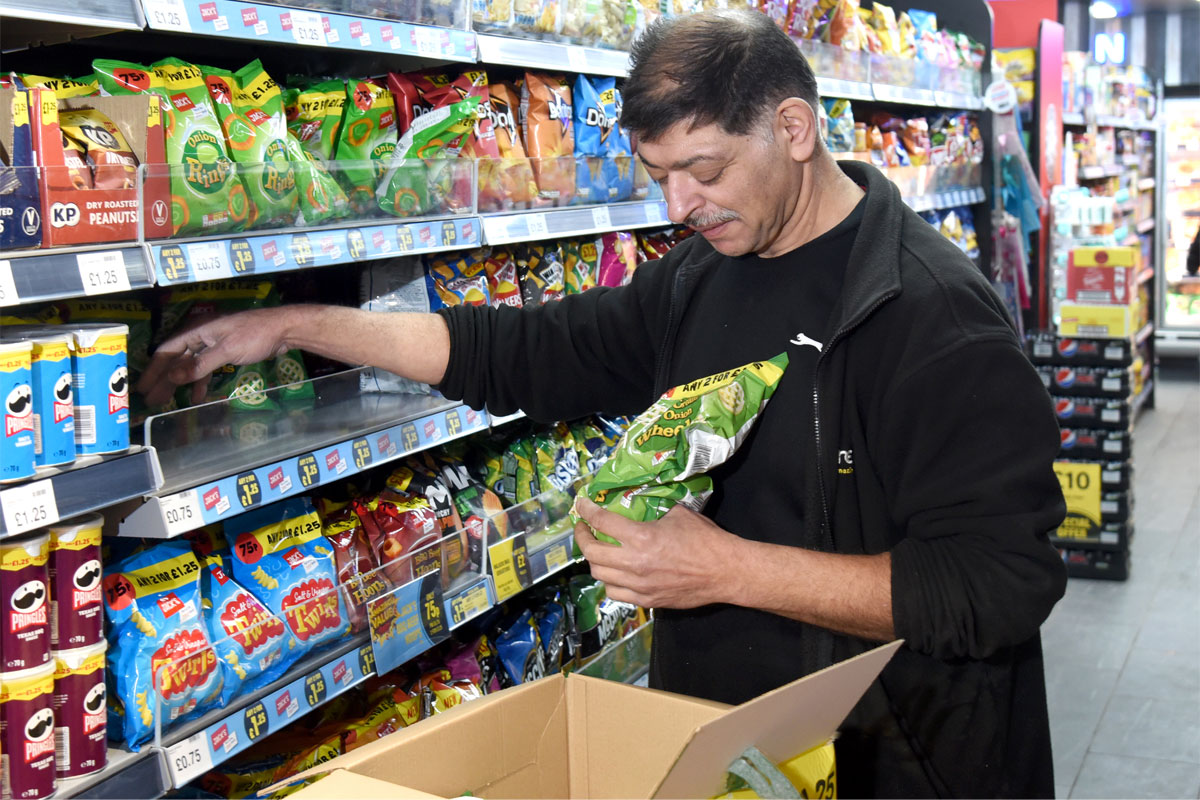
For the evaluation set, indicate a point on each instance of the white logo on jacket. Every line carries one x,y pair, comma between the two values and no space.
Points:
801,340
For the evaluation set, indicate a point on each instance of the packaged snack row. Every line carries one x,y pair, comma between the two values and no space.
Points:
554,627
944,139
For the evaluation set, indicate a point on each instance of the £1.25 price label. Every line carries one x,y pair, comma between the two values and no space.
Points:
30,506
103,272
167,15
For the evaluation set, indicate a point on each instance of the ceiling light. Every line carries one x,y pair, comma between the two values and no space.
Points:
1101,9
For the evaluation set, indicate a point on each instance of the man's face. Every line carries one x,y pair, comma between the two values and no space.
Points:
736,191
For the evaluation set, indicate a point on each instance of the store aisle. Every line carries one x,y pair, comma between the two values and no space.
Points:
1123,659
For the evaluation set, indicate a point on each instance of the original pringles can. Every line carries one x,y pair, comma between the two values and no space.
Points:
17,460
76,601
53,404
25,595
27,732
80,713
101,387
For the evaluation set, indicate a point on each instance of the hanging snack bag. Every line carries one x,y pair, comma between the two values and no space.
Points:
206,195
581,264
557,465
250,106
692,428
367,133
110,156
321,198
517,185
280,556
503,283
519,646
250,640
158,643
478,507
546,119
357,570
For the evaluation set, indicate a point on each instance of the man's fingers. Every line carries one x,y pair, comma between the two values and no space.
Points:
618,527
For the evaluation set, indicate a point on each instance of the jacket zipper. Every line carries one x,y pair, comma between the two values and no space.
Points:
841,334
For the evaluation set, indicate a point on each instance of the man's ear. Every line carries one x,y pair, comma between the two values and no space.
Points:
796,126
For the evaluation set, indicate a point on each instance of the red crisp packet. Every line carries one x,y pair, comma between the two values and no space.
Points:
405,524
357,571
415,94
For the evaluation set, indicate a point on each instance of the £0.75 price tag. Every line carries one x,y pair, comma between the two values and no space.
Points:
30,506
209,261
182,512
168,15
601,218
307,28
8,289
103,272
189,759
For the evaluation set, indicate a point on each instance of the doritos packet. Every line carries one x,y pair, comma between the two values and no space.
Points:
280,556
663,457
546,118
517,186
158,642
249,639
604,167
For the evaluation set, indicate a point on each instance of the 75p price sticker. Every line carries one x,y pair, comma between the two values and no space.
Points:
30,506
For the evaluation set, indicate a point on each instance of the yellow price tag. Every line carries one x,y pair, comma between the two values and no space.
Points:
1081,488
510,570
556,557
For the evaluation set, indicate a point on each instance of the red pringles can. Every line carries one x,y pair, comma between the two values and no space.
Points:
24,602
77,607
27,732
80,714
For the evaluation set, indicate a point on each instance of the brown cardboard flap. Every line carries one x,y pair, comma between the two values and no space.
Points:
622,737
340,785
782,723
490,747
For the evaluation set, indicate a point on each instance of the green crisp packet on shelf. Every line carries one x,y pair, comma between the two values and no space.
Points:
663,457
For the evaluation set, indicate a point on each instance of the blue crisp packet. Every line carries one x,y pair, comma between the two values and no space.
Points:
595,123
520,650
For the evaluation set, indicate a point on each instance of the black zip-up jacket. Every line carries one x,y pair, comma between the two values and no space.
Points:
953,439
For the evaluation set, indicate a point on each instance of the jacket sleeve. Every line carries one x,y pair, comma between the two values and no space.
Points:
591,352
968,453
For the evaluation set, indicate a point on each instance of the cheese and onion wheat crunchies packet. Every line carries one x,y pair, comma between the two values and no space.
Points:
692,428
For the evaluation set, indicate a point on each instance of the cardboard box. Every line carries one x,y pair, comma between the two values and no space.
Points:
1101,322
20,207
1051,350
1115,383
88,216
573,736
1111,565
1092,444
1092,412
1102,274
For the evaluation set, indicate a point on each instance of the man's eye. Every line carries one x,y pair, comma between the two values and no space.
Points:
711,180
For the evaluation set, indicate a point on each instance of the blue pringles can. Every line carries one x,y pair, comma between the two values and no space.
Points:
101,387
16,387
53,401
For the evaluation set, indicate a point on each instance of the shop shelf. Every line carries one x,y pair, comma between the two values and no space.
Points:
265,22
126,776
120,14
92,483
536,54
34,276
524,226
219,461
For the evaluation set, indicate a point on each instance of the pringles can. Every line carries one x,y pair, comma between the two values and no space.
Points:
80,713
16,387
27,722
53,404
101,387
25,595
76,601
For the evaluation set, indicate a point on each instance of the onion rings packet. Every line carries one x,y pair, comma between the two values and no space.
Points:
663,457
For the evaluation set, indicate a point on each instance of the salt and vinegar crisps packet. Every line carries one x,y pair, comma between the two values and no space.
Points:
546,118
158,643
692,428
250,106
280,555
367,134
113,163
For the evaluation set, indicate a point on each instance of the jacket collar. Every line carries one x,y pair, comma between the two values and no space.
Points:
873,271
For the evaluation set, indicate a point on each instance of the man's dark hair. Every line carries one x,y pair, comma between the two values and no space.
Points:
724,67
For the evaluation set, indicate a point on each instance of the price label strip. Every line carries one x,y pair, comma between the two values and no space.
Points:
32,505
508,563
407,621
468,603
8,287
167,15
103,272
225,738
234,494
209,261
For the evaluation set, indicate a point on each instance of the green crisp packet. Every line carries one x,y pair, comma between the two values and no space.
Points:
663,457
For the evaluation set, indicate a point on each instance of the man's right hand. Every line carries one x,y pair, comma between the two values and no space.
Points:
191,356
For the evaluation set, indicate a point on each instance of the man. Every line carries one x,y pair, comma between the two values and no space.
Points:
898,485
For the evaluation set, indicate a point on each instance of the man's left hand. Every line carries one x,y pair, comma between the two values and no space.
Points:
680,561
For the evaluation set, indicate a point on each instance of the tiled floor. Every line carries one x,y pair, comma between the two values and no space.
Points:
1123,659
